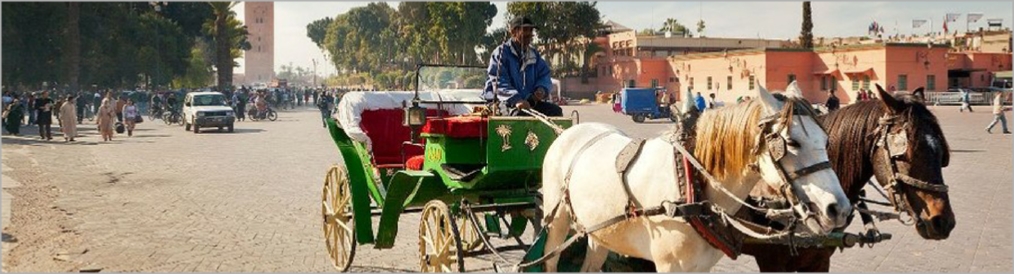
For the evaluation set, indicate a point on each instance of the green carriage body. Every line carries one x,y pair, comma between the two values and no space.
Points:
503,169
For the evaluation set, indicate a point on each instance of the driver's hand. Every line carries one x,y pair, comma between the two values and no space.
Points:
522,104
540,94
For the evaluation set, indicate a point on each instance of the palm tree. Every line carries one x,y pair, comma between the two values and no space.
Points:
229,37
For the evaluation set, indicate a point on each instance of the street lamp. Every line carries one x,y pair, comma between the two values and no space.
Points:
157,5
314,71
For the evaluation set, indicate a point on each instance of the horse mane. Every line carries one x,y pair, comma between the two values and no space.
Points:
853,129
725,138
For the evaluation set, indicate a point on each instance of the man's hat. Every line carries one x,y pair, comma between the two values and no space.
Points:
521,21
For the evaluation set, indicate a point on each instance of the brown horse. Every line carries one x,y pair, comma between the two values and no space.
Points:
914,171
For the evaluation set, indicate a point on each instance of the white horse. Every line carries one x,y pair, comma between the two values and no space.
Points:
726,141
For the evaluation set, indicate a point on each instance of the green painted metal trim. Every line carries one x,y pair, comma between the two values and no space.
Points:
404,185
359,182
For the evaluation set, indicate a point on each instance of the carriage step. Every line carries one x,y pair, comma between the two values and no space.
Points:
462,172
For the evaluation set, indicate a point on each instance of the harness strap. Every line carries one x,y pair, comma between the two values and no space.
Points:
623,161
809,170
920,183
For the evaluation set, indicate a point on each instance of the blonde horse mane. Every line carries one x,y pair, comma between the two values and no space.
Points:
726,137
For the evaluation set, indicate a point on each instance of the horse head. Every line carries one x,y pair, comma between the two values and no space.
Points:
786,147
908,160
795,153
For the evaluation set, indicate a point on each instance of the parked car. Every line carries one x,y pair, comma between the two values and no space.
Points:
207,109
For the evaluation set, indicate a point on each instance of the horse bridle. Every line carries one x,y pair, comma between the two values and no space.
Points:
895,145
776,146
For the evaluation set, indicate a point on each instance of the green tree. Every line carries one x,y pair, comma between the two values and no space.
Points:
806,36
230,39
317,31
700,27
673,26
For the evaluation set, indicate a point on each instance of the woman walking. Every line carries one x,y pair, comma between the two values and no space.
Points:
105,118
130,114
68,119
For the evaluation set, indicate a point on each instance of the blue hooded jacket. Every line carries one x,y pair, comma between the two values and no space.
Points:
516,77
700,103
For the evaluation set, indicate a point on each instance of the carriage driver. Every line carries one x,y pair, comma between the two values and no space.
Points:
520,75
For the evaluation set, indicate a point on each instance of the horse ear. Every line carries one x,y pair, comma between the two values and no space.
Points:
888,100
771,105
920,93
793,90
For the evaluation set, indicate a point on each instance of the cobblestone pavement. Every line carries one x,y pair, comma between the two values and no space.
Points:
167,200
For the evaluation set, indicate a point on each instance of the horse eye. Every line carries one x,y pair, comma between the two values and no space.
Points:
792,143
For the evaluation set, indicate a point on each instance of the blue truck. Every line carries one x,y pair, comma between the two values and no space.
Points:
643,103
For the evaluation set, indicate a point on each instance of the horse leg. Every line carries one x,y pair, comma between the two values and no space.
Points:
595,257
556,234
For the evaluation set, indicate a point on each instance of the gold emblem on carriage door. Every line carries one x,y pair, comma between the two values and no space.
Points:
532,140
505,133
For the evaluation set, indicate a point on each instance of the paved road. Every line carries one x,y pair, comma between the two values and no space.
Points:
171,201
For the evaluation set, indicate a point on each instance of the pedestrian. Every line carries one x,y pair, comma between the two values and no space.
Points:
13,115
68,119
699,102
965,101
832,103
28,108
105,118
130,114
324,106
711,101
44,115
999,114
120,103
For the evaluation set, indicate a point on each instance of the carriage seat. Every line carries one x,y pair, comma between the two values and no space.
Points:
457,127
386,132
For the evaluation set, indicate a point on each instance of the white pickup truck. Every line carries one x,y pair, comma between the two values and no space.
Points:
207,109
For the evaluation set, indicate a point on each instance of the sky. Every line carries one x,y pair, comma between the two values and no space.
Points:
768,20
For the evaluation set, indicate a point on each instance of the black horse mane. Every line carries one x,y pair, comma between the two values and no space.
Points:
857,127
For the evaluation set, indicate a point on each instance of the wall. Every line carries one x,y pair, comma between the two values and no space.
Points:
915,61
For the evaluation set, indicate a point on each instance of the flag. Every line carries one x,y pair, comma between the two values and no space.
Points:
945,26
953,17
974,17
996,22
918,23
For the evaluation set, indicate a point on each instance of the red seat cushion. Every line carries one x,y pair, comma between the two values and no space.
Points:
415,163
458,127
387,134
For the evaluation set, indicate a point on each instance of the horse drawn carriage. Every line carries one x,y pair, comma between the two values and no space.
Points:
474,176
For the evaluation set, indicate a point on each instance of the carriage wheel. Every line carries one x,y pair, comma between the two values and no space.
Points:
439,242
469,236
336,206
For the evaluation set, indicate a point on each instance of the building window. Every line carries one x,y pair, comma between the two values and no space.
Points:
902,82
691,85
792,78
630,83
855,83
258,48
709,82
751,82
931,82
834,83
823,83
654,83
728,83
866,82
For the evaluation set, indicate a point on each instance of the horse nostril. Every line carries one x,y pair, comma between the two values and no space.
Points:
941,224
832,211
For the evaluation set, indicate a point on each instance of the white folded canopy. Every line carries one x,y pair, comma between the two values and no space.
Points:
353,104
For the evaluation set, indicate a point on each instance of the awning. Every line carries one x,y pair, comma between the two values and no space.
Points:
862,71
829,71
1004,74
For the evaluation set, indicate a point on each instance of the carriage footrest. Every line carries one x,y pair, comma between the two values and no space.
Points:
462,172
